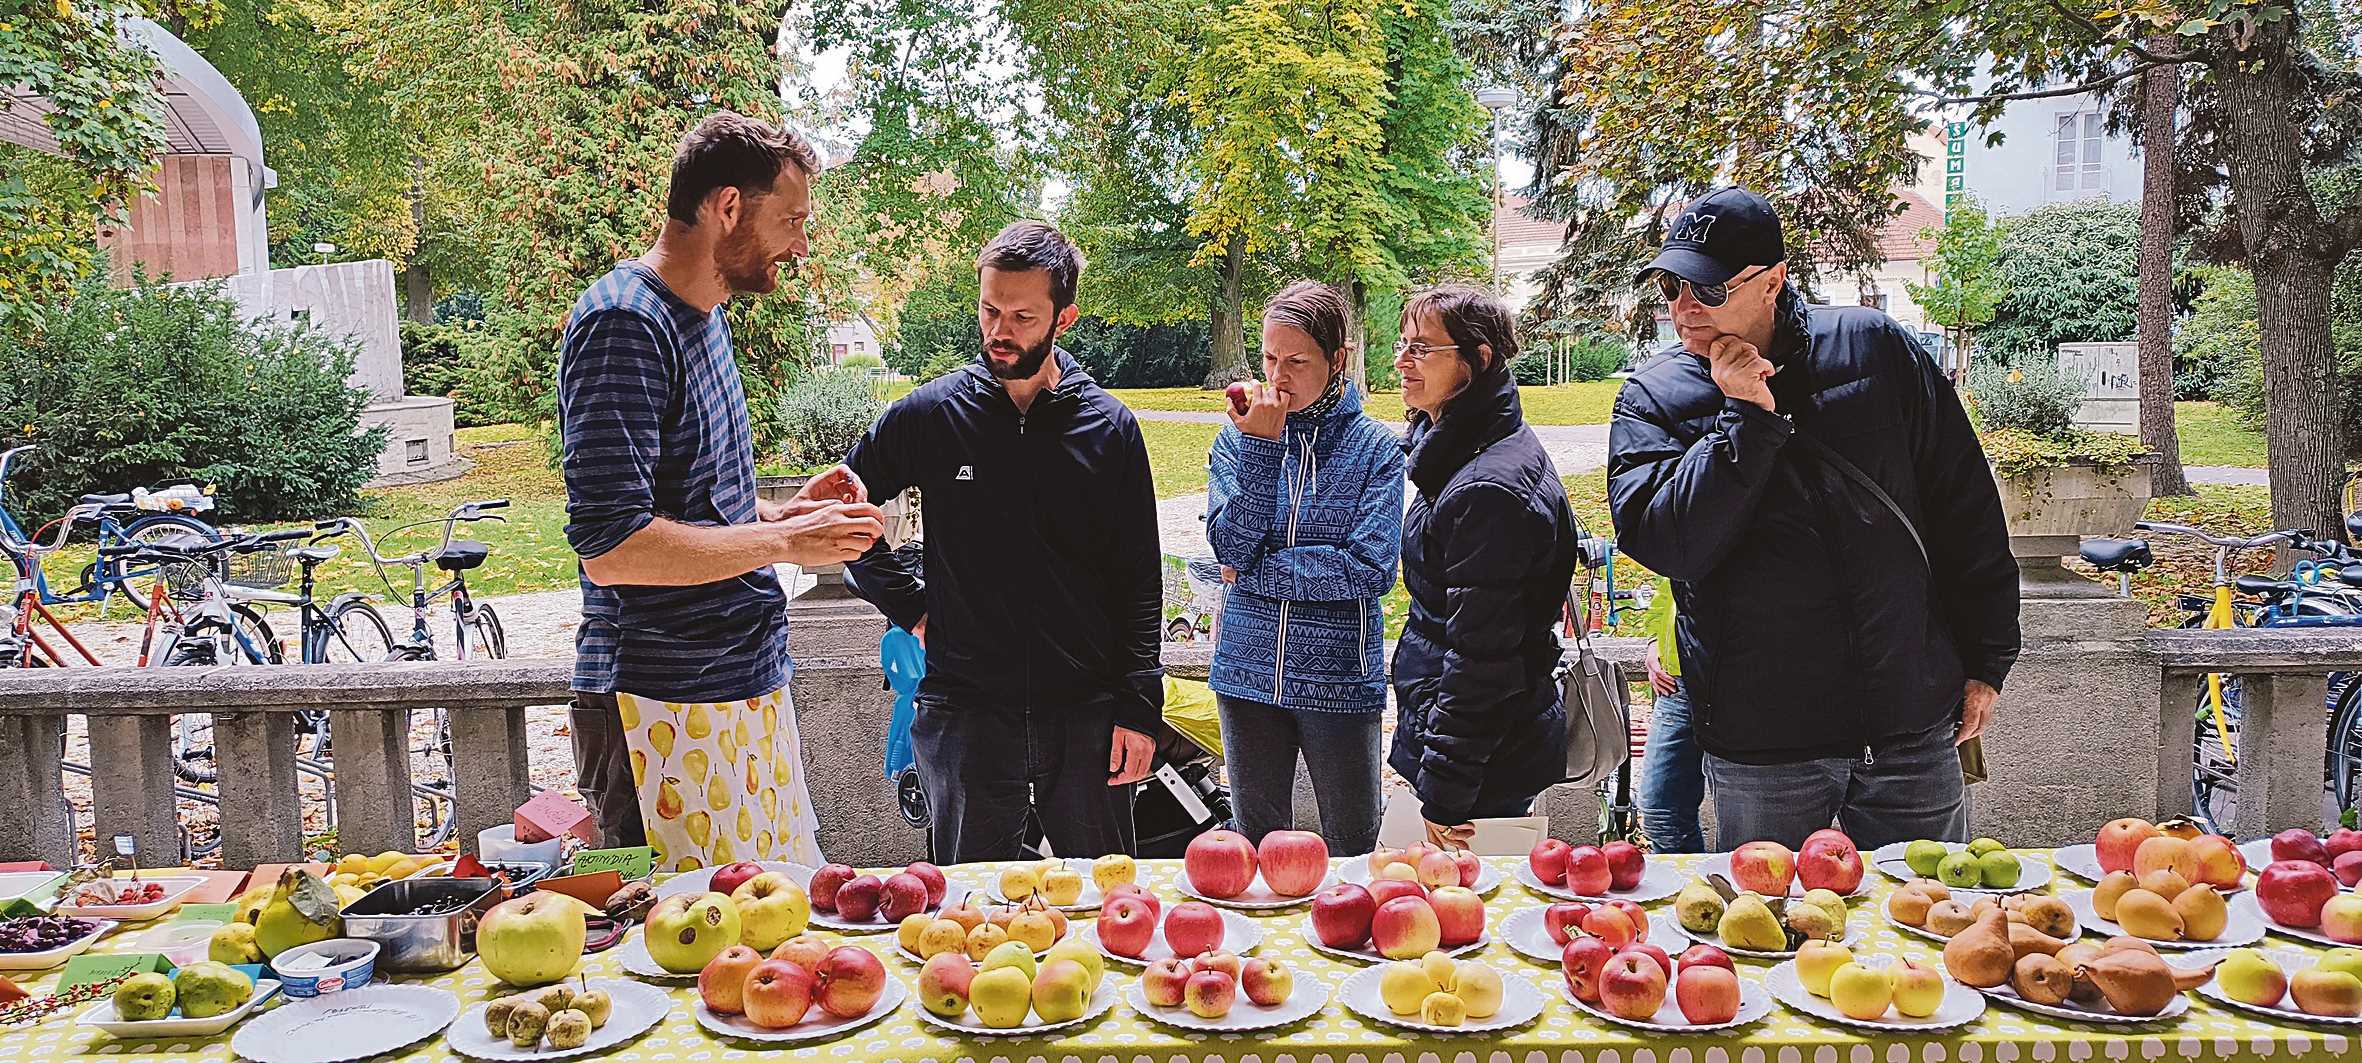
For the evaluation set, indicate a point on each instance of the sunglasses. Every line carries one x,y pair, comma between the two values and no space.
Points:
1709,296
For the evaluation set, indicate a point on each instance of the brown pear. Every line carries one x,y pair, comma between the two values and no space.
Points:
1909,906
2134,982
2203,914
2120,942
2041,979
2049,915
2184,981
1936,891
2165,882
2147,915
2074,957
1980,957
2112,887
1948,917
2026,941
1983,905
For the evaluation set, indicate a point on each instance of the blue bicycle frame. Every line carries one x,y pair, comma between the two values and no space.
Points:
106,574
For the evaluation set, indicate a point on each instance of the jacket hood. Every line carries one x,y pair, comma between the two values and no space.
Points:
1478,417
1072,377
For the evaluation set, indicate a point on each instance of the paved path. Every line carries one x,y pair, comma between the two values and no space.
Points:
2227,474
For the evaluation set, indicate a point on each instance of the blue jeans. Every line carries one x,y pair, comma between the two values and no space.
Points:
1672,778
1341,752
1902,790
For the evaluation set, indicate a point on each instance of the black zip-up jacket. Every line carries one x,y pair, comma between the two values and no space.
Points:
1809,627
1488,552
1044,578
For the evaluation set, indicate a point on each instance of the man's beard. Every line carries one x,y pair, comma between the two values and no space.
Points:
745,269
1028,362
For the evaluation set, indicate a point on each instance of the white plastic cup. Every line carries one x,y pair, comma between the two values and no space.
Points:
500,845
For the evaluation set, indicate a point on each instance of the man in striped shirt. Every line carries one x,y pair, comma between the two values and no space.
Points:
683,735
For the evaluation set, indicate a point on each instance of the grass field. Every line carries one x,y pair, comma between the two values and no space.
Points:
1560,405
2214,434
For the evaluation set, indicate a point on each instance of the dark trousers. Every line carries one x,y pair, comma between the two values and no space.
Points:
991,770
603,770
1341,752
1904,789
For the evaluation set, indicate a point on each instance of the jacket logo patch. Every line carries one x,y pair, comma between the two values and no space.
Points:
1691,228
967,472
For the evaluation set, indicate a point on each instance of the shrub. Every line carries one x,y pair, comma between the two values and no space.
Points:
2215,352
2069,273
1595,357
2032,396
133,387
823,414
863,362
943,362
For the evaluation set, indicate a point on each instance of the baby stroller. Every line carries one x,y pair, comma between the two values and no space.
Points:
1180,800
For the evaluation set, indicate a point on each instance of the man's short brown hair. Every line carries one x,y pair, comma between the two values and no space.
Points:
1024,246
730,150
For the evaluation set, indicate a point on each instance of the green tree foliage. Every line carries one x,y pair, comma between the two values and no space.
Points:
2069,273
1966,289
824,413
1121,355
2218,351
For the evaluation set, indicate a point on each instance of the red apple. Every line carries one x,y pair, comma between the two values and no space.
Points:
1664,962
804,950
722,984
1387,889
1341,916
1237,394
1625,864
778,993
1707,995
2342,840
2119,840
2347,867
1829,861
1220,863
1156,908
1587,872
858,900
1210,994
937,884
1548,861
902,896
851,980
1193,927
1459,915
1564,921
1405,928
1767,868
1222,960
1164,982
1471,867
1611,926
1293,861
735,875
825,884
1632,987
2297,843
1126,926
1634,913
1267,982
2293,891
1582,961
1704,956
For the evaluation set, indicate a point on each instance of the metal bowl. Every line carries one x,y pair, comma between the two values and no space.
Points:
422,943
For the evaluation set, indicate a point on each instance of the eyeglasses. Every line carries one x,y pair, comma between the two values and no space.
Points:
1709,296
1420,352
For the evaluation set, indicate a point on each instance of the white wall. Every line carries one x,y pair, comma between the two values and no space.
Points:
354,299
1888,280
2023,171
848,338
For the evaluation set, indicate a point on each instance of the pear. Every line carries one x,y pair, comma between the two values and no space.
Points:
1698,908
496,1016
1813,923
1909,906
1828,901
2165,882
2041,979
2146,915
1748,923
2074,956
2132,981
302,910
2049,915
568,1029
2113,886
1980,957
526,1021
1948,917
2027,941
1936,891
2202,912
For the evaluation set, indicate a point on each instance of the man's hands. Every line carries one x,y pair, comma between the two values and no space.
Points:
1976,710
1267,412
1448,838
1741,371
1658,679
839,484
1132,757
828,522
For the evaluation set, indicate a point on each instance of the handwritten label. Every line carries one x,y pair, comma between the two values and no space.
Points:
208,913
635,862
91,969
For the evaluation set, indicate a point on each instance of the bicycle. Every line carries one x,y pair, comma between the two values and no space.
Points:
475,626
141,516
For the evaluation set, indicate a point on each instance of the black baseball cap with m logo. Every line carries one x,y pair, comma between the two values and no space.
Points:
1719,236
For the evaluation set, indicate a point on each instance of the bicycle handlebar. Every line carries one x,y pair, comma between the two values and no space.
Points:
236,545
466,511
2293,538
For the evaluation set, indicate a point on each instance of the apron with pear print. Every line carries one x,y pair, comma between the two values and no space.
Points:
720,782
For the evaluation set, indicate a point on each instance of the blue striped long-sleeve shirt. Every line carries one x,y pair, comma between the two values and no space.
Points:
654,422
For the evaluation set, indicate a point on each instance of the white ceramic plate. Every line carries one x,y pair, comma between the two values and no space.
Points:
174,890
968,1025
1854,937
1258,897
1658,881
2290,961
1521,1003
1356,869
2245,905
1088,901
1920,931
1754,1003
15,884
2033,871
1366,954
353,1024
1719,864
2100,1013
42,961
2258,853
102,1015
1960,1007
1240,935
1311,995
638,1008
2082,861
702,879
1524,932
2246,925
811,1029
633,956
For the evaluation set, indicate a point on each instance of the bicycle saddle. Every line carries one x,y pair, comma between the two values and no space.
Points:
313,555
106,500
2118,555
461,555
2265,586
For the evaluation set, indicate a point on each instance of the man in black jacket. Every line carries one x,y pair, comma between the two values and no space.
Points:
1042,592
1837,647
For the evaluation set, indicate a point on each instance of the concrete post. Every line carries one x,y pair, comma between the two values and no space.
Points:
842,712
261,798
488,747
375,811
2078,727
131,786
38,824
2282,730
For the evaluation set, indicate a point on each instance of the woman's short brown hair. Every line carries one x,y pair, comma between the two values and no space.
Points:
1474,317
1314,309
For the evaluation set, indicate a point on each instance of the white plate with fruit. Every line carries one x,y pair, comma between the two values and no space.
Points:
1942,1004
1709,997
2283,895
1746,924
2098,1011
2011,873
40,942
2121,840
2160,923
1617,869
1770,869
1468,869
622,1011
702,879
222,1001
971,933
2118,981
1360,923
851,901
2297,843
2265,982
1508,1000
1210,999
1926,908
1528,932
125,899
1201,928
790,1010
1013,1008
349,1024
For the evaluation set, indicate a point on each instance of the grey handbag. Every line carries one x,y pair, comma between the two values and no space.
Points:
1598,727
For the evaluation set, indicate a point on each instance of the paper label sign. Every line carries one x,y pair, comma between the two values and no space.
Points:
633,863
91,969
207,913
550,815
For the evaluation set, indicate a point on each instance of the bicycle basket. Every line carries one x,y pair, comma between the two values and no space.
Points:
261,570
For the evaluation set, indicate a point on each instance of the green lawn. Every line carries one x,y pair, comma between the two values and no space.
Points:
1177,455
1561,405
2214,434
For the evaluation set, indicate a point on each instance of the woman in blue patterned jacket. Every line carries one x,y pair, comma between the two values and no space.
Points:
1304,507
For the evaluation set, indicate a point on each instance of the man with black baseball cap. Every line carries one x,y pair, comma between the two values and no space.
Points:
1848,607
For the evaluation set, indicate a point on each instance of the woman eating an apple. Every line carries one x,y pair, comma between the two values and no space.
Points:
1304,510
1488,552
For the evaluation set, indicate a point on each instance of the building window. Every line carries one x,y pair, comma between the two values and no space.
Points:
2079,138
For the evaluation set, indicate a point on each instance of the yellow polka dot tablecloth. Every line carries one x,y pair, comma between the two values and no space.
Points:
1561,1035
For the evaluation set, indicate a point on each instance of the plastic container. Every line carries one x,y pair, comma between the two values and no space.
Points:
358,964
422,943
500,845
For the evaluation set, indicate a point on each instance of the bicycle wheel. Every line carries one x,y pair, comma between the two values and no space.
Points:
485,637
2345,738
258,638
164,529
355,633
2214,780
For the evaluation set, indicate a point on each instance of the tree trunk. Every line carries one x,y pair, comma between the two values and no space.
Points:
1357,334
2294,259
418,286
2160,99
1229,326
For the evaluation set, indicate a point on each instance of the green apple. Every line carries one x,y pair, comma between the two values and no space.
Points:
1062,991
2347,960
1982,846
1960,870
1998,869
208,989
1923,856
1073,948
144,998
1002,996
532,940
686,931
2250,977
1010,954
771,909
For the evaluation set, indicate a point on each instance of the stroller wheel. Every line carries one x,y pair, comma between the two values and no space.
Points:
912,796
